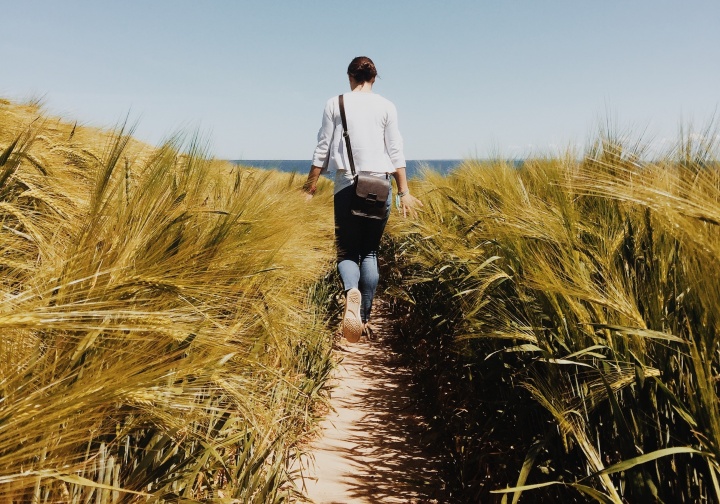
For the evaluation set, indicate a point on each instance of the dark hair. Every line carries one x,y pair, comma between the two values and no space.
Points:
362,69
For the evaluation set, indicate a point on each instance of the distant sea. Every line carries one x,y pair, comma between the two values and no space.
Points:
443,166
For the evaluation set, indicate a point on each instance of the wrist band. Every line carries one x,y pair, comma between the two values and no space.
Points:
401,194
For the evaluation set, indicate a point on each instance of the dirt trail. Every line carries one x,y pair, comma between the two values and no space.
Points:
372,449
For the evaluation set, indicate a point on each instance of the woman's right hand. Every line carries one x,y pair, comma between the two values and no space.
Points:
409,204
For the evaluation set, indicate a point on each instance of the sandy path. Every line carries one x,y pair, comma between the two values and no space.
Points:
372,448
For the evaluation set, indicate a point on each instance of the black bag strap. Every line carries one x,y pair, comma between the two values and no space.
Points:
346,135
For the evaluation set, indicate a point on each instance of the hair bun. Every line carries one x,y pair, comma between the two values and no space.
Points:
362,69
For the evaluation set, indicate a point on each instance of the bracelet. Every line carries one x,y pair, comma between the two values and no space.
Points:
401,194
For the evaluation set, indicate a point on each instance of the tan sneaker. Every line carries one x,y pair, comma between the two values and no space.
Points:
352,325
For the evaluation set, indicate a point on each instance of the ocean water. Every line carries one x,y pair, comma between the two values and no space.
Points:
443,166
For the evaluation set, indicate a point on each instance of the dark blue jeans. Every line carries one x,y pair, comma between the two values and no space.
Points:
357,240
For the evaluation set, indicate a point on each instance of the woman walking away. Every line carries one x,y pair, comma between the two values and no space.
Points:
377,150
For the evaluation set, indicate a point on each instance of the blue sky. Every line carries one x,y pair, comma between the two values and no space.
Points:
469,78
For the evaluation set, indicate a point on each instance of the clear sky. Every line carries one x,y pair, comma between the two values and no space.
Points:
469,77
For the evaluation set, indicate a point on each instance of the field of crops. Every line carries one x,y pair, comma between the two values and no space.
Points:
162,317
562,320
165,330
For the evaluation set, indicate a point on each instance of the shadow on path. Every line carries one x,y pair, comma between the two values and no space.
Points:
373,447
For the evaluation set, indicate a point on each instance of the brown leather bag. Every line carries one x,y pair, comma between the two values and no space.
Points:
371,195
371,192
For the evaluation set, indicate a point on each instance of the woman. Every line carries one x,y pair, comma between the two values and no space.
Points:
377,147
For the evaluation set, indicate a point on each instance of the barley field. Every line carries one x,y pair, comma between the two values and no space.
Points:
562,321
163,319
166,320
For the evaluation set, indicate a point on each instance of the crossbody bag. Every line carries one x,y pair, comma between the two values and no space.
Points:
371,193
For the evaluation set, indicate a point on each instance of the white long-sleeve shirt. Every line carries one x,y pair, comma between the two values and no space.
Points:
376,142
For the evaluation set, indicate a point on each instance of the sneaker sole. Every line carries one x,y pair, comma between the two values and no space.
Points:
352,326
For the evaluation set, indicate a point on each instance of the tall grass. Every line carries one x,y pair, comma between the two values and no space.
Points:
563,321
161,331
